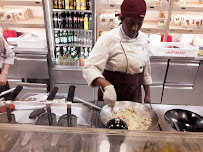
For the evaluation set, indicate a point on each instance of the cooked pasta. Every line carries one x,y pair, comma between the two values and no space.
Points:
136,119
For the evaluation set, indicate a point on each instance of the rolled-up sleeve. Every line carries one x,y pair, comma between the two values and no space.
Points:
8,57
95,64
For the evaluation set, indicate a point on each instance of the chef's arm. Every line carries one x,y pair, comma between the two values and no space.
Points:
147,98
101,82
4,74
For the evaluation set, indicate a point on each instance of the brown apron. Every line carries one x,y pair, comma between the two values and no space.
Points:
127,86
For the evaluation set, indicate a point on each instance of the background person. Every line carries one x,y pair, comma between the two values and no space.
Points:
6,59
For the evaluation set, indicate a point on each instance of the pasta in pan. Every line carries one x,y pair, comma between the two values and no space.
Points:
136,119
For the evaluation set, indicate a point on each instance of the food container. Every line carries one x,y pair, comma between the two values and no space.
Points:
176,49
31,41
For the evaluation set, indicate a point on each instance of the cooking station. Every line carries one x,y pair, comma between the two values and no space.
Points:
90,134
89,117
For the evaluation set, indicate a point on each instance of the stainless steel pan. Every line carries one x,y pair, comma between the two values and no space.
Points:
106,112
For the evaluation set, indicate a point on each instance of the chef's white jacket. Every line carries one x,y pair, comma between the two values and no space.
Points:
6,54
108,54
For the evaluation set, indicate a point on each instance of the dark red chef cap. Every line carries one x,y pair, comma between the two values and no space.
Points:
133,8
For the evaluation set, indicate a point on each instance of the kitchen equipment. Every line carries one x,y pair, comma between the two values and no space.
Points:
116,140
185,120
36,113
48,118
69,119
6,91
8,117
88,103
106,112
116,123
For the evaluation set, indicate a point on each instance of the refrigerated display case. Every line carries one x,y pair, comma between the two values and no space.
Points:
71,32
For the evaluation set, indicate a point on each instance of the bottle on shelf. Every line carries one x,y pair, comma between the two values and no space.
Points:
60,20
57,52
67,2
82,21
63,4
75,20
86,53
86,22
56,36
55,19
56,6
61,37
65,40
77,4
83,5
69,59
60,4
87,4
90,22
71,4
81,59
65,58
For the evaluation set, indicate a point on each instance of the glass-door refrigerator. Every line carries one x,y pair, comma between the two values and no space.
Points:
70,29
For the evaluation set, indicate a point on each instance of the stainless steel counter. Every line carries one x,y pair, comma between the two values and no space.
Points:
43,51
198,58
161,109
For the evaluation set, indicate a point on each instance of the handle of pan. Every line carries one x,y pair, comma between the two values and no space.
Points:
52,94
15,93
158,122
70,97
88,103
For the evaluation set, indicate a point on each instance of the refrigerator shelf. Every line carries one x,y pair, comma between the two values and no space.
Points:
36,22
22,2
66,10
150,7
74,44
143,29
68,29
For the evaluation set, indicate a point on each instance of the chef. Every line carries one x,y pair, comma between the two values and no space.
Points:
6,59
119,63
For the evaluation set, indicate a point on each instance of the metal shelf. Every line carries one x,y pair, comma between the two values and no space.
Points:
22,2
157,8
63,67
189,8
149,8
74,44
30,23
67,29
67,10
148,27
177,29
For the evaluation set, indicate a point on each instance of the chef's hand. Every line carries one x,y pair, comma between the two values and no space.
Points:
3,79
147,98
109,95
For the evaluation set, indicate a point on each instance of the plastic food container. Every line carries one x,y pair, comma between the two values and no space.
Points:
31,41
176,49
